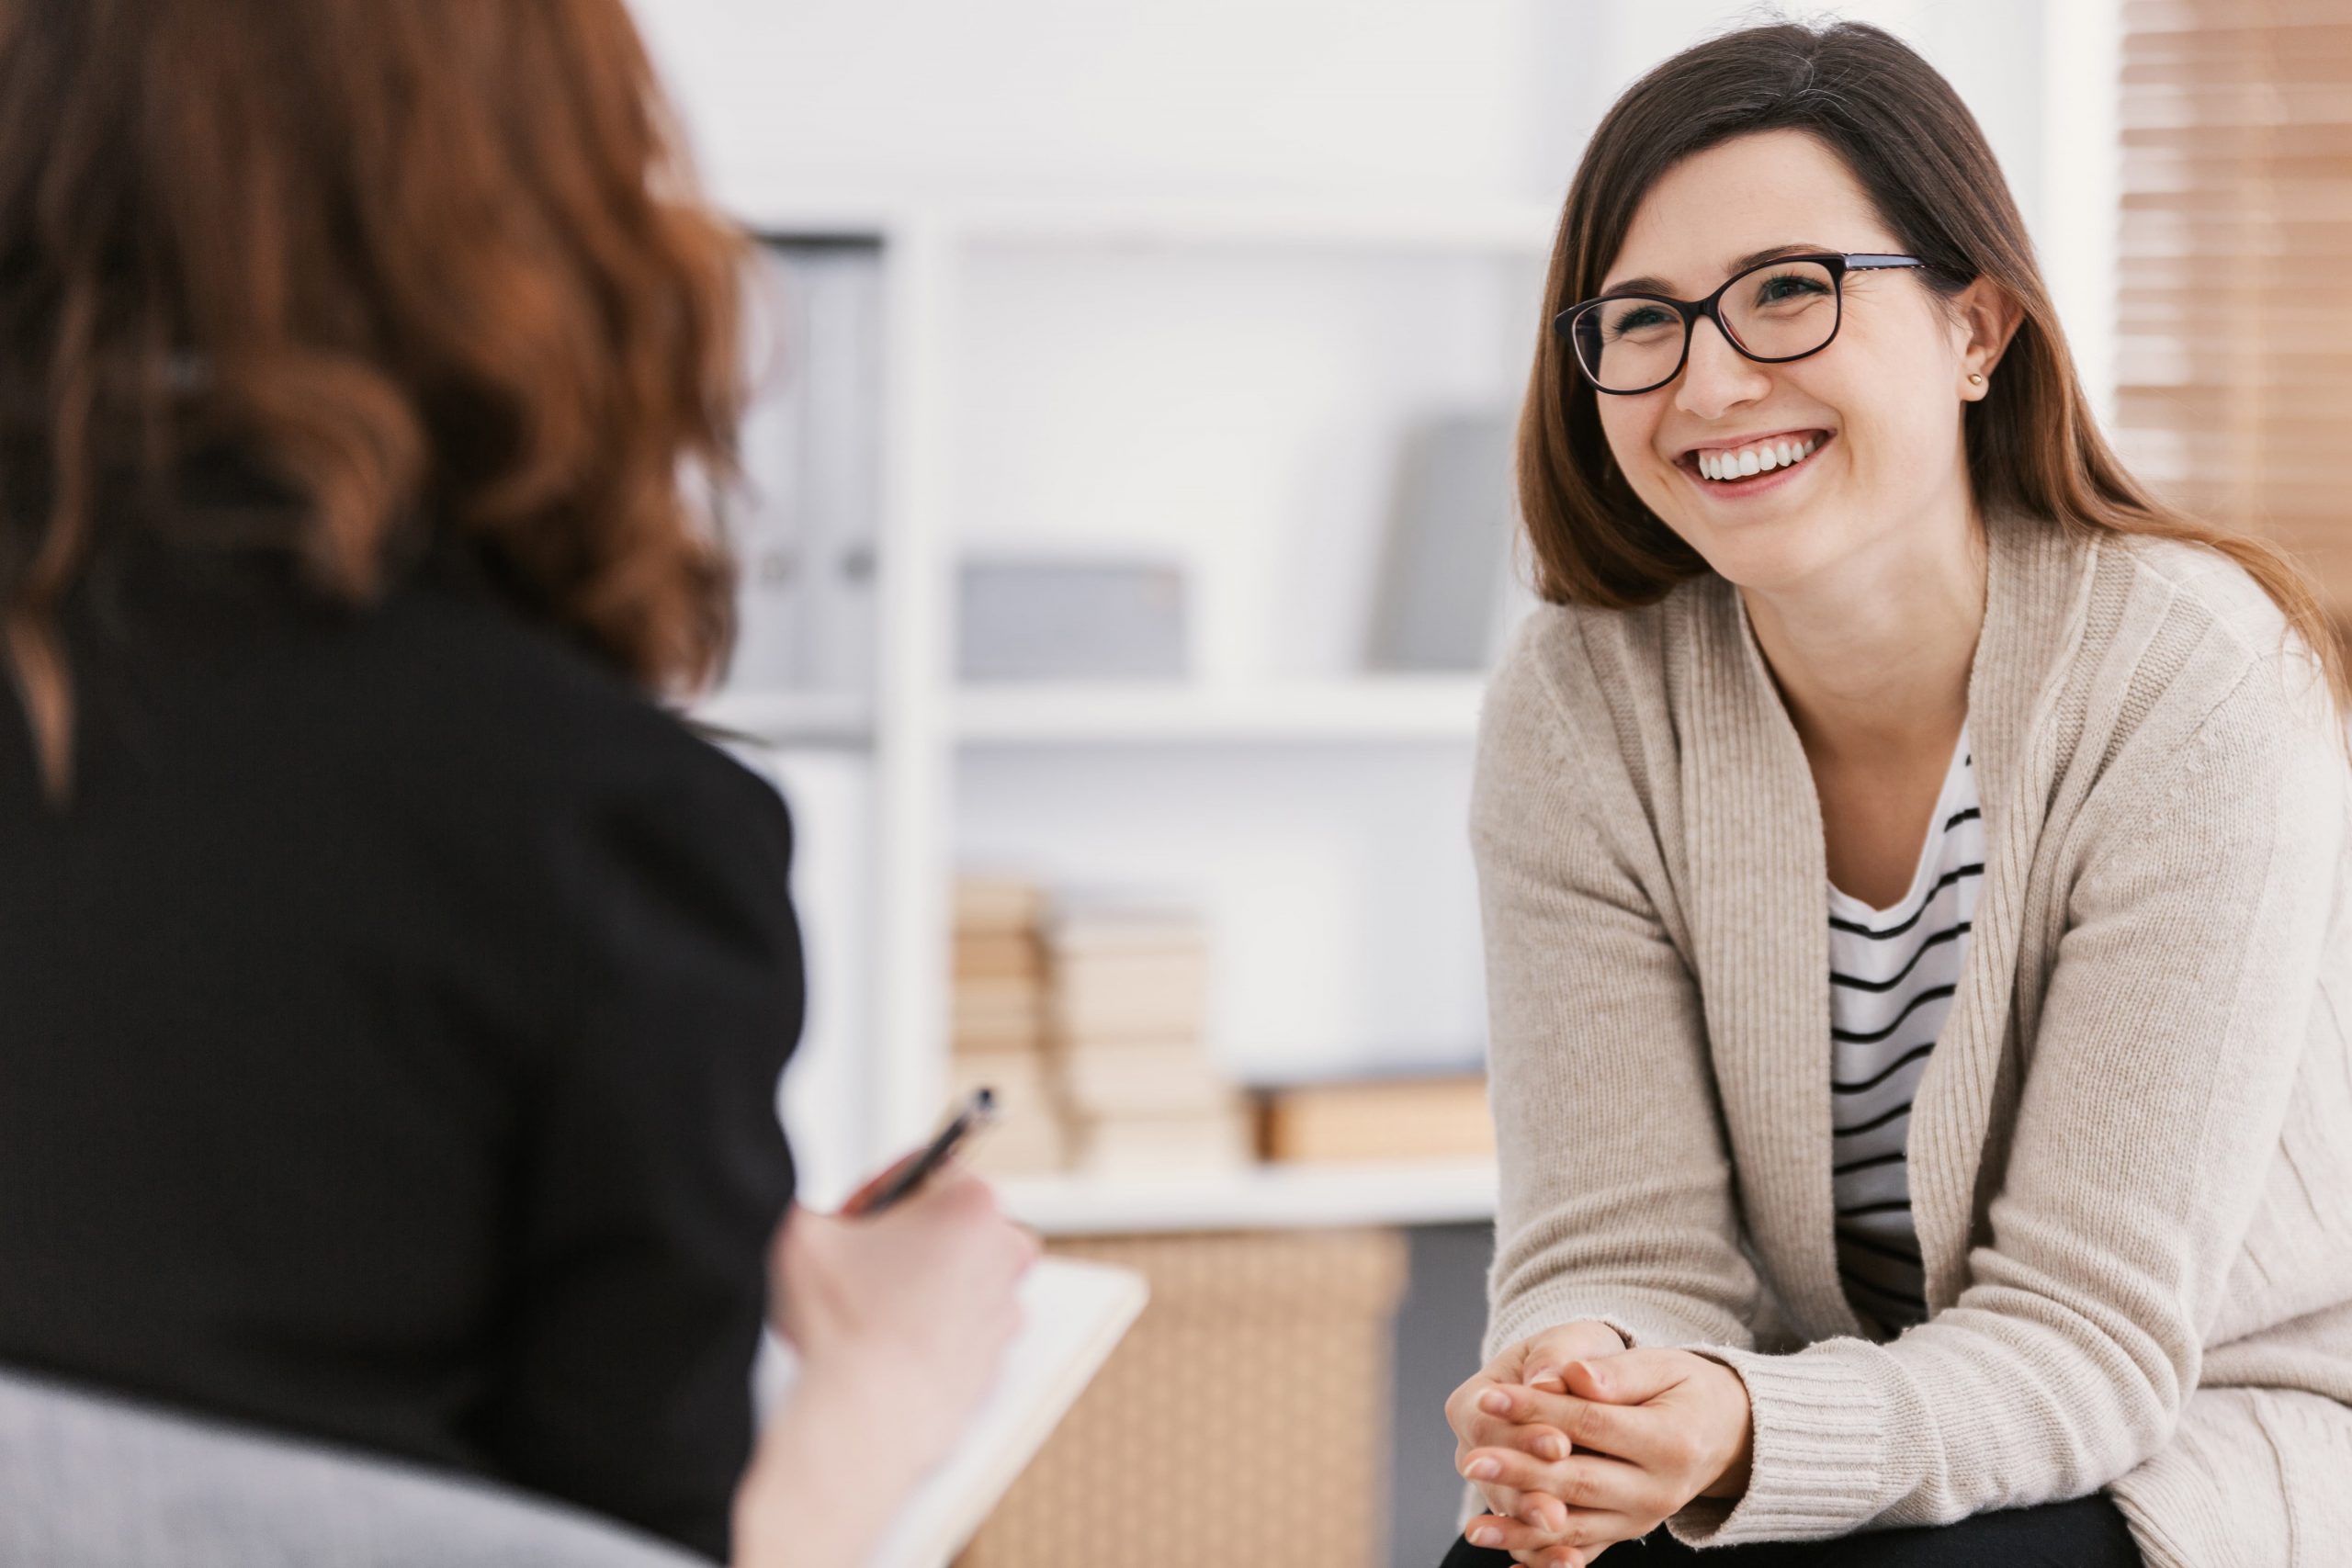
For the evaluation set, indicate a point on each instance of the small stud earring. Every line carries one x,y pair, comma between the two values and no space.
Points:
1974,379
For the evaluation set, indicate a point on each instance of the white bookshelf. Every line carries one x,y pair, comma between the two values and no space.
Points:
787,719
1272,1197
921,732
1373,708
1467,227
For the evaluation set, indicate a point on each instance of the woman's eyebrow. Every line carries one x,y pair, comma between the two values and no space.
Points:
1648,284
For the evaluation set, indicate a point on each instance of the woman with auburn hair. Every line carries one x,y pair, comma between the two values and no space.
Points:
1917,891
395,992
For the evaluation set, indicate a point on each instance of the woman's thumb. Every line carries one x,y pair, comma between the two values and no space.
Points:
1631,1378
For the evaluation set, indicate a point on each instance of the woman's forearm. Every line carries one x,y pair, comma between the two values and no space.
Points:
814,1495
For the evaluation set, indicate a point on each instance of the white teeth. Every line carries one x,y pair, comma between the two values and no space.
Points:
1758,459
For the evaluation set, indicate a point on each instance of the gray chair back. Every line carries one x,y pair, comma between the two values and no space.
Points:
89,1480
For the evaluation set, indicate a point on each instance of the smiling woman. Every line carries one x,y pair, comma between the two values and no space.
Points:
1914,868
1873,345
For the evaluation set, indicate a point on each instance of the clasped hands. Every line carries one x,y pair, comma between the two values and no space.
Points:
1576,1442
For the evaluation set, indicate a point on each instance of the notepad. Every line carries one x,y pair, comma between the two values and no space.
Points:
1072,1315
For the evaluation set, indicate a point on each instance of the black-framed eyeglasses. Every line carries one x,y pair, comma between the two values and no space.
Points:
1775,312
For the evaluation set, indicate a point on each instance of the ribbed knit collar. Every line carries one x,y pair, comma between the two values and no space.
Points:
1760,926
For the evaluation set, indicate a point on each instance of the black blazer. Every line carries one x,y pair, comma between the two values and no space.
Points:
390,1033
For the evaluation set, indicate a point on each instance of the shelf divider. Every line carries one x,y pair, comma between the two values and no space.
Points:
1371,708
1262,1197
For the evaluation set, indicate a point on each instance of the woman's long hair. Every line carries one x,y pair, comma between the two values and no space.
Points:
431,267
1925,163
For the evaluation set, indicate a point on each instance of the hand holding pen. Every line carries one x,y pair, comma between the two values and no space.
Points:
900,1309
973,1116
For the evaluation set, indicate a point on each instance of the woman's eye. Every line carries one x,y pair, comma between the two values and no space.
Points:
1786,287
1637,318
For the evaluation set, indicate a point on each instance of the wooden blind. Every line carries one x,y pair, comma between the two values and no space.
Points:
2235,323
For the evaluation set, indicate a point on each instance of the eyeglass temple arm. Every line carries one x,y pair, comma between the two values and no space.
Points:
1871,261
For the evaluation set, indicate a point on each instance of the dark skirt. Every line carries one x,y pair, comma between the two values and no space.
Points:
2088,1532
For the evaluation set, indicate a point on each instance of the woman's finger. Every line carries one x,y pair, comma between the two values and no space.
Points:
1493,1432
1632,1377
1584,1533
1512,1416
1502,1534
1511,1467
1499,1499
1514,1404
1506,1412
1560,1557
1550,1557
1591,1427
1541,1442
1594,1483
1540,1509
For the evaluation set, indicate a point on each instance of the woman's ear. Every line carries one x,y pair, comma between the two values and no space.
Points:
1984,318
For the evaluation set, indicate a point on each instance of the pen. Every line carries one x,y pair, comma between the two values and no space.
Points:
901,1179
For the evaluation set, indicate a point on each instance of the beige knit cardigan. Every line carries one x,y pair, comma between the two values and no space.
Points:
2130,1156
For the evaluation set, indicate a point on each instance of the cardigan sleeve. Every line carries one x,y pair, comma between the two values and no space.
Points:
2150,1118
1616,1189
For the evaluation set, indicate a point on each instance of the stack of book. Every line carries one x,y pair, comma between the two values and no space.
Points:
999,998
1127,1000
1438,1118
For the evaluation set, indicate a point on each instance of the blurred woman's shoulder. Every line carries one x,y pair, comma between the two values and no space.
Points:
520,687
442,690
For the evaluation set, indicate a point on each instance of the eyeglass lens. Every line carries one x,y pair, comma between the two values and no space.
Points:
1775,312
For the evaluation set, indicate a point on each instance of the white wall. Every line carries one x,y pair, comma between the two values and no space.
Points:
1236,411
911,98
966,97
918,97
1991,50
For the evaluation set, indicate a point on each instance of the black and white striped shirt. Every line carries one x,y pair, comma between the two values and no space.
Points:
1892,975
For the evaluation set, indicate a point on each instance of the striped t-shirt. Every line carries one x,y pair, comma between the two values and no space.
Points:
1892,975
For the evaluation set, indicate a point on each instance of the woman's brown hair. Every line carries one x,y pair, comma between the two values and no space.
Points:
1919,153
433,267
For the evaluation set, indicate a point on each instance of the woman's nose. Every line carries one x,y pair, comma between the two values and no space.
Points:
1716,376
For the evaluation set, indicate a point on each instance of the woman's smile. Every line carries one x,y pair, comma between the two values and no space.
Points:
1750,466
